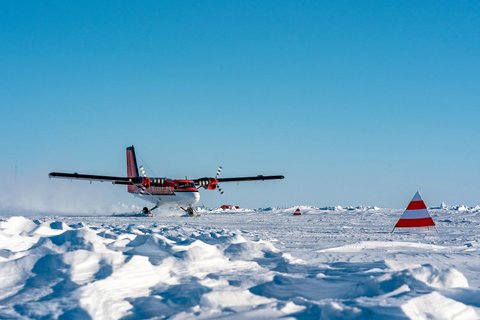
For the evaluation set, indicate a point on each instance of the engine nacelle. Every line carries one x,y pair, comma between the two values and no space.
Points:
208,183
146,182
213,184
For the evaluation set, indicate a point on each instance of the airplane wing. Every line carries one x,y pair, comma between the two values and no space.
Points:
89,177
213,183
257,178
128,181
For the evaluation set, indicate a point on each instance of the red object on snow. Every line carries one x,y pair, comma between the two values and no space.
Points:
297,212
416,215
229,206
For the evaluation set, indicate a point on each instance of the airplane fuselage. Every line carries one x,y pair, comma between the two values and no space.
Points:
168,192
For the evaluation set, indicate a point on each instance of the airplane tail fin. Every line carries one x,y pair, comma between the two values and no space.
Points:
132,168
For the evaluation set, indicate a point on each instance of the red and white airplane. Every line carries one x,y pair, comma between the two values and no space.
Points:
181,193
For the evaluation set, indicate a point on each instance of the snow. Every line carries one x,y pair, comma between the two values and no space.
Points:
330,263
436,306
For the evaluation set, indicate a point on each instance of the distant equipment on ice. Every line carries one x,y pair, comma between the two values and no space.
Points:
297,212
416,215
229,207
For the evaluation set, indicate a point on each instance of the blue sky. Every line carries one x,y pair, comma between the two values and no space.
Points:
354,102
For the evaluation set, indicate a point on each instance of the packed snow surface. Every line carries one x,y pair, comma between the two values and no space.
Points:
328,263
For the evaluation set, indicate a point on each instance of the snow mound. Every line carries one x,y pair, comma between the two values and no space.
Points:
16,225
438,278
436,306
78,271
388,246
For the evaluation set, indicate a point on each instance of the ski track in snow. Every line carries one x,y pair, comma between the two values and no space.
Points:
329,263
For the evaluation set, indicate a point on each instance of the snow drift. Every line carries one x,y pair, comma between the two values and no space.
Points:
325,264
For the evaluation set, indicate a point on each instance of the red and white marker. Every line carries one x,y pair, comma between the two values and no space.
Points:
416,215
297,212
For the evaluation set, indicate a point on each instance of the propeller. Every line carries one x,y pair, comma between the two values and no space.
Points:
219,170
145,181
142,171
210,183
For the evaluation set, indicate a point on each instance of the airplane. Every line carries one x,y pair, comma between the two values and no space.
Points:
182,193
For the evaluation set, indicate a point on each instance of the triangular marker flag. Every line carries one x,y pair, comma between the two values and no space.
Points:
416,215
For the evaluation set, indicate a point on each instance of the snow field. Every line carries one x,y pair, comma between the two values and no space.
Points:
330,263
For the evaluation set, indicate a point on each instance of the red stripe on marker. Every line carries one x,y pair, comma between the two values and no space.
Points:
416,205
412,223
